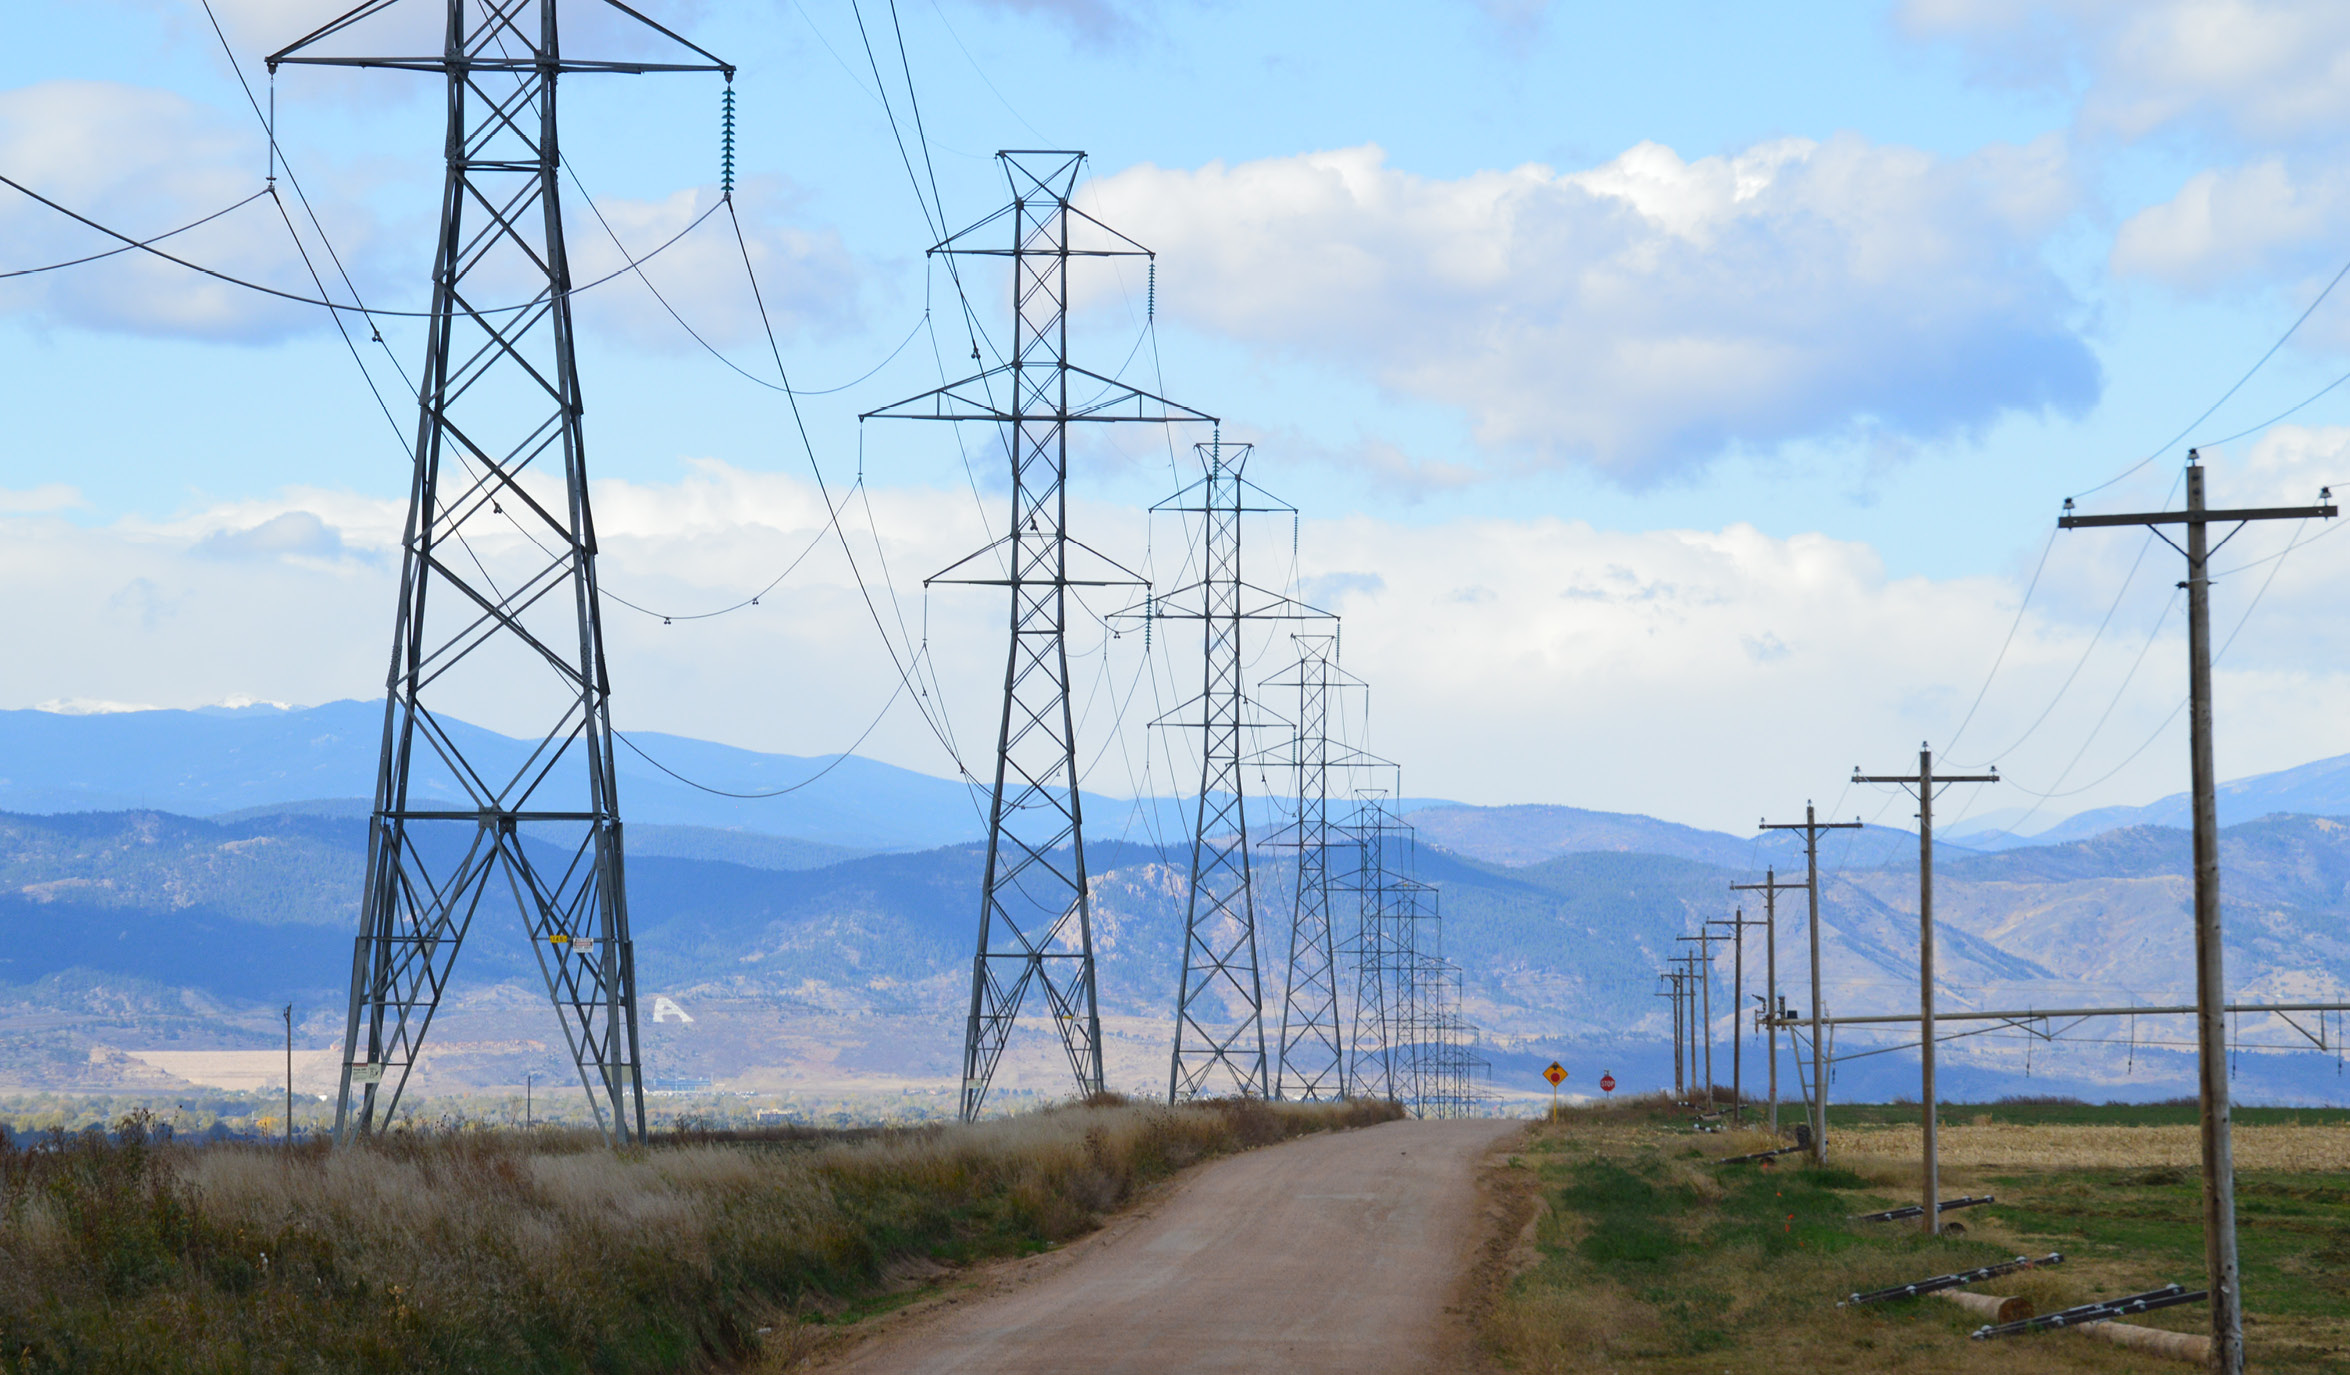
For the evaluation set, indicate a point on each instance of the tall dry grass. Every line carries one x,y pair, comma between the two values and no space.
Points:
2055,1146
496,1252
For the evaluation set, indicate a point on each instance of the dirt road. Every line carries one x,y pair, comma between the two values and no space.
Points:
1329,1253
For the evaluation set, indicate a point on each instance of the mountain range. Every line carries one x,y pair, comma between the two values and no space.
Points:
132,934
228,761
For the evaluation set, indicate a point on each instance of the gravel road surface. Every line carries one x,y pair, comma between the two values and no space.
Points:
1340,1252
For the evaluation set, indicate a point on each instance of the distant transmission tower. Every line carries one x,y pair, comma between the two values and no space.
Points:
1397,920
1035,912
1220,996
1372,1046
498,600
1411,968
1313,1040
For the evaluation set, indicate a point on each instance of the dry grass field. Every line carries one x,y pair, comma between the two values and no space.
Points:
1649,1256
492,1251
2310,1149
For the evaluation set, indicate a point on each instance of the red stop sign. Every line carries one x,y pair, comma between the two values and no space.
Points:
1607,1083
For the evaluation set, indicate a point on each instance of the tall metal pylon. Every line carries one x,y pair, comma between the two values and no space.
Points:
1413,940
1381,886
1035,909
1312,1062
1220,994
498,597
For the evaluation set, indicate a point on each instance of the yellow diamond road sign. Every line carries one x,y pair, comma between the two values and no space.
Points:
1556,1074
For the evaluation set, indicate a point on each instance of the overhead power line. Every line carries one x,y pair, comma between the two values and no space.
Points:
2175,440
125,248
299,299
836,761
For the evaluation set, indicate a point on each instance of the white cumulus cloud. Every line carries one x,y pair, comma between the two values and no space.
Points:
2256,90
1645,315
142,161
2228,224
809,279
1695,674
2256,69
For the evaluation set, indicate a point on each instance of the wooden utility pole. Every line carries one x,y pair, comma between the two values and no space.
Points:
1687,1008
1811,826
1772,1009
2219,1164
1701,968
1923,785
1737,925
1672,990
289,1075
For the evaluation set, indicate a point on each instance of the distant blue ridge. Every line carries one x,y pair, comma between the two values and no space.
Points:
322,760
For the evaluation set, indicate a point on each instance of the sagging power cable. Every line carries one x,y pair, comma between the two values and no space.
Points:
125,248
905,671
2276,563
2209,411
836,761
299,299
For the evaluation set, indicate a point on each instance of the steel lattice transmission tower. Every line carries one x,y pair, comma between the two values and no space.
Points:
1220,996
1035,911
1313,1041
1371,1046
1410,934
498,598
1316,1047
1386,1053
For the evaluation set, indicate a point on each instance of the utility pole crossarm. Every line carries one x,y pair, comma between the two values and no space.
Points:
1910,779
2223,517
1852,825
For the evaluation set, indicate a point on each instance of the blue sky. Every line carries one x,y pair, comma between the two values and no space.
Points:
1678,397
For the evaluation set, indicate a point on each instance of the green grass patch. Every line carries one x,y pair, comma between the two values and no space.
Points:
1653,1257
2292,1232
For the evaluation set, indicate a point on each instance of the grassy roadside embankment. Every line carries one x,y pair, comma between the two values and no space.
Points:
1649,1256
507,1252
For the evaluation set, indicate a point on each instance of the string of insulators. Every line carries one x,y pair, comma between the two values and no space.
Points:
726,143
1150,307
1148,602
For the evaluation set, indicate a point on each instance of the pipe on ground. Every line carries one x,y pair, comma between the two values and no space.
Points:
2179,1346
1994,1307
